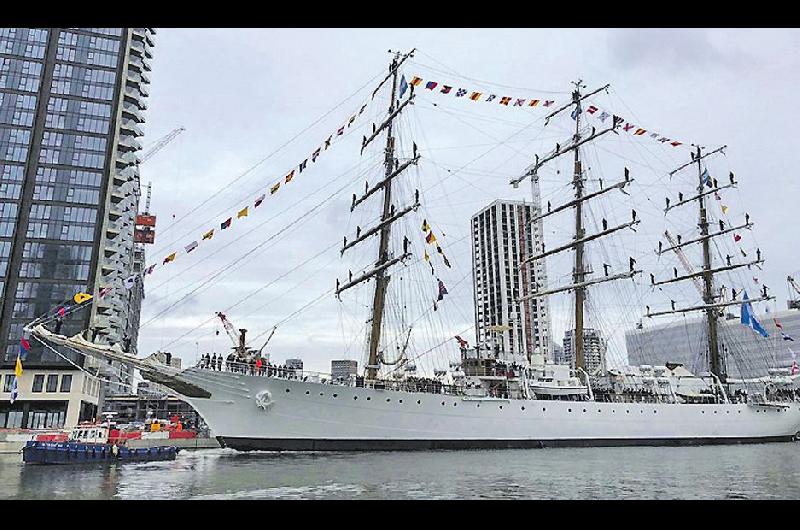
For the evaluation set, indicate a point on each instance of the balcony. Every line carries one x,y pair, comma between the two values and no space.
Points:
130,143
135,96
131,111
130,125
127,159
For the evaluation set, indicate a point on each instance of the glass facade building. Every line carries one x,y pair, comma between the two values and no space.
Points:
71,103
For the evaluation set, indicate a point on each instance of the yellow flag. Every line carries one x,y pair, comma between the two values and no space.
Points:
242,212
425,226
81,298
724,210
427,258
209,234
274,188
290,176
18,367
170,258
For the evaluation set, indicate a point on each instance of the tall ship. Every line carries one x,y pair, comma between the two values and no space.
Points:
490,397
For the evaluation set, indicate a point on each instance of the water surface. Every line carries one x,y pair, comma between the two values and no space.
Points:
711,472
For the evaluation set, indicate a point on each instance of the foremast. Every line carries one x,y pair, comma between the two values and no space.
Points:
389,216
712,302
580,273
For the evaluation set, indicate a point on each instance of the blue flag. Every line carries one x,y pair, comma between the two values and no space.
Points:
706,178
403,86
786,337
749,319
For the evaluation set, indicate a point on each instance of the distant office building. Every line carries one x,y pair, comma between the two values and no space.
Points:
343,369
558,351
594,350
71,103
502,238
295,364
744,352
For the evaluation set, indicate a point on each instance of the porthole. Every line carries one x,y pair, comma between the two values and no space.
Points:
355,398
388,400
401,401
599,411
727,412
336,395
455,404
613,411
443,403
523,408
419,402
501,407
287,390
368,398
321,394
702,412
479,405
627,412
584,410
569,410
715,412
307,392
654,412
544,409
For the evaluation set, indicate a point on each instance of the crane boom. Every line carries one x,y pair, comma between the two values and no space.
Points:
793,303
161,143
793,283
229,328
684,261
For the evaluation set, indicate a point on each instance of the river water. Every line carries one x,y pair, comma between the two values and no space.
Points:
710,472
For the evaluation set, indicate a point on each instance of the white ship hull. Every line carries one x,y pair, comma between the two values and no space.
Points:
264,413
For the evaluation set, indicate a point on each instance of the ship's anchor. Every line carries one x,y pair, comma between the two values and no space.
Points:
264,399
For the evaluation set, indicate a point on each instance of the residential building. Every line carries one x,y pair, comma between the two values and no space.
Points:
503,238
71,110
594,350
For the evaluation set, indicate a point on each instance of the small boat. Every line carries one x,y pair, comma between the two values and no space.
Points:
88,444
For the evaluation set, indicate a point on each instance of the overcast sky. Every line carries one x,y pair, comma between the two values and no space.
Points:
242,94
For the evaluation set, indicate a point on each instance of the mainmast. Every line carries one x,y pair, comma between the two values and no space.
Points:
711,304
580,273
389,215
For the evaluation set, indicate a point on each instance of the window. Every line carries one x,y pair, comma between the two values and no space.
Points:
38,382
66,383
8,383
52,383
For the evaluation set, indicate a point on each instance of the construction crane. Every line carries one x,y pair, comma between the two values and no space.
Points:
159,145
793,303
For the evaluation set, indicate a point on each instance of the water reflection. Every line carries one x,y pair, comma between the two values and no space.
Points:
730,472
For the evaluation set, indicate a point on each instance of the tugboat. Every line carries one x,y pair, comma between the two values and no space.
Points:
89,443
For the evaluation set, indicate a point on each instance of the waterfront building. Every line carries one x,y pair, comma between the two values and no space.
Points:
295,364
743,351
502,238
71,110
594,348
343,369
